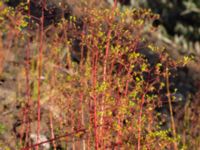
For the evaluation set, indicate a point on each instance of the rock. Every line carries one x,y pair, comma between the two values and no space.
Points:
45,146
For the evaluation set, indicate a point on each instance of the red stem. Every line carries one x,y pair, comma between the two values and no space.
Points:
52,131
40,71
139,122
28,98
94,76
106,55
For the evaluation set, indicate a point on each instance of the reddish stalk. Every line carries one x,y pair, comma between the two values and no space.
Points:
82,118
105,67
170,108
104,80
119,133
52,131
106,55
94,78
82,122
26,122
140,122
52,82
27,72
40,71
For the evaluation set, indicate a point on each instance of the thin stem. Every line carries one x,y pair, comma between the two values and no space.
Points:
94,77
28,98
52,131
82,118
104,78
40,71
170,108
105,67
140,122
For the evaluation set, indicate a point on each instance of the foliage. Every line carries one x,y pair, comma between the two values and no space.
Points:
94,84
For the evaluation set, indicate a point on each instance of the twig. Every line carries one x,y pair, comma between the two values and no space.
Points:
170,108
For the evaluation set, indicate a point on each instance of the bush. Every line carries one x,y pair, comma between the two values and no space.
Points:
96,78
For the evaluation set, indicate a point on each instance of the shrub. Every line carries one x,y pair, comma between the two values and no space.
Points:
100,82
